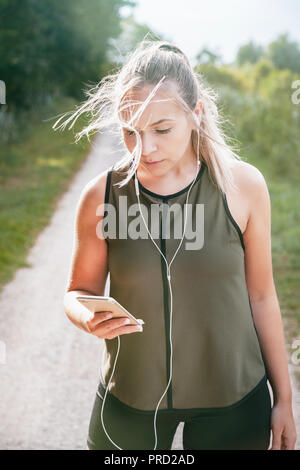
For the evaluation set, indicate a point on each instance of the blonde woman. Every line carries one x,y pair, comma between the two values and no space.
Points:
213,333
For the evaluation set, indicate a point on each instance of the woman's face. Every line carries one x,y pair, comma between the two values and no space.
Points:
167,142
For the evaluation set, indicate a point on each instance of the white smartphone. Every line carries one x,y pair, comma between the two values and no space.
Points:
97,303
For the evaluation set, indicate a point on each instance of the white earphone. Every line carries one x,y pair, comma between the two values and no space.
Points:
171,303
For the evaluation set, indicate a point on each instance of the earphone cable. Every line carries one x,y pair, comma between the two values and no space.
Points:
171,305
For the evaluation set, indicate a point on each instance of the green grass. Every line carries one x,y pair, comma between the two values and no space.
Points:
286,245
33,174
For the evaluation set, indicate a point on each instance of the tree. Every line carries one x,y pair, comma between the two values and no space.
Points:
131,34
205,56
285,54
54,46
249,53
259,73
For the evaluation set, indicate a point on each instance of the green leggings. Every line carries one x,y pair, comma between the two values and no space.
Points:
243,426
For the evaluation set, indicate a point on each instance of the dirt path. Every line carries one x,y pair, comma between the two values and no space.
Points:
51,370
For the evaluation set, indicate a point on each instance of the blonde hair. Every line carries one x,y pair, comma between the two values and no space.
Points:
155,63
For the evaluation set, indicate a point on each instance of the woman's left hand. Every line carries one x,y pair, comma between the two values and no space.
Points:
283,427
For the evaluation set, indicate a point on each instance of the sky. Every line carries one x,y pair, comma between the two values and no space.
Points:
220,25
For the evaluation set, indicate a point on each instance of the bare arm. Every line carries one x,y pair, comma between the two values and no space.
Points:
262,292
89,265
89,269
264,301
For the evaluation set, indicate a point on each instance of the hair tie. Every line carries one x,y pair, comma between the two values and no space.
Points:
170,47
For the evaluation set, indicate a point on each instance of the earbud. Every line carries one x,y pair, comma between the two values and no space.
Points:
198,118
136,185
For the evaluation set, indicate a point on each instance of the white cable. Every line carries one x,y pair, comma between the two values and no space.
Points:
171,305
106,394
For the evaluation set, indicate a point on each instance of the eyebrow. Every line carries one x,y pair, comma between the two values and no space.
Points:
161,120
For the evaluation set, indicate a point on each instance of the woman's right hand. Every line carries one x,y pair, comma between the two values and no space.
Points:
104,326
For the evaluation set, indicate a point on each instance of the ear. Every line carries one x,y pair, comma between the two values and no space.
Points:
198,112
199,108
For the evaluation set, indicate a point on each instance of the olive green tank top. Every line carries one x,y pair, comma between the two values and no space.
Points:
217,360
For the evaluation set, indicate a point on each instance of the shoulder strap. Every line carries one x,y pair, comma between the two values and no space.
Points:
107,189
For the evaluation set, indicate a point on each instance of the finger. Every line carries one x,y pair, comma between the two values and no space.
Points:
98,317
117,322
276,441
289,442
124,330
105,327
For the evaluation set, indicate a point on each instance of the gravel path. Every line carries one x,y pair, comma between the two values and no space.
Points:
49,369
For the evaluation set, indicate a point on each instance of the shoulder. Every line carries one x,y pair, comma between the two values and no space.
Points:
92,197
95,189
250,182
246,173
255,195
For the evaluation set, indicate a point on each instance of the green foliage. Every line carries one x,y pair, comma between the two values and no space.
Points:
53,46
206,56
261,70
266,122
131,34
285,54
256,100
222,76
33,174
250,52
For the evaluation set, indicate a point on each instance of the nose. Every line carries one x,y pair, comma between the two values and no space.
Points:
148,144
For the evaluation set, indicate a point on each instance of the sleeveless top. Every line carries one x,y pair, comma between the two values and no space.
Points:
217,360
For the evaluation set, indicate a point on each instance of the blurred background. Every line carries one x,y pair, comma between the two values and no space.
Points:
249,52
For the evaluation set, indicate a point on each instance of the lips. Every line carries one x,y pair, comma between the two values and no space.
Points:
153,163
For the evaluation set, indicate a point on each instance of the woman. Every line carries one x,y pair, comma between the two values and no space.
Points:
213,333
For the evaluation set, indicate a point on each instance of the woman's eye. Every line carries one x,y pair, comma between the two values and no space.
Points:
159,131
